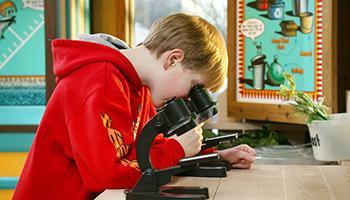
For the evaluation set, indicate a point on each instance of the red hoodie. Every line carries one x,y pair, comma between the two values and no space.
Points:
85,142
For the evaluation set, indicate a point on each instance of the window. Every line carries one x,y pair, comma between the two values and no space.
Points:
147,11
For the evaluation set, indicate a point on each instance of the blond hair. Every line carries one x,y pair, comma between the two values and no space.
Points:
202,43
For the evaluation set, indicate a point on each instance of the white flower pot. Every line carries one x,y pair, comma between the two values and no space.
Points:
331,138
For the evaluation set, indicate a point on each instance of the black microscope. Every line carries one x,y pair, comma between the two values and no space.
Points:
178,116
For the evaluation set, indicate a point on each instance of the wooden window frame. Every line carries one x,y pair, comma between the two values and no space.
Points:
115,18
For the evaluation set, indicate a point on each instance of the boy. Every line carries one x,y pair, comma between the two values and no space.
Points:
86,140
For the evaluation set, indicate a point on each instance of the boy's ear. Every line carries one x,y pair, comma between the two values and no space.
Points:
174,55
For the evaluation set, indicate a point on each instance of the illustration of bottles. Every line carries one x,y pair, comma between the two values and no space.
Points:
276,9
258,69
275,72
262,4
300,6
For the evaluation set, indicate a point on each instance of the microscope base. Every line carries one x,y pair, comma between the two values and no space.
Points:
220,163
170,193
204,171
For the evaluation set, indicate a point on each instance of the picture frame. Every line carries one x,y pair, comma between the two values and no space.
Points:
347,101
26,78
251,26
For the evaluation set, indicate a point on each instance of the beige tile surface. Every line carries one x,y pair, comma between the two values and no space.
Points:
282,182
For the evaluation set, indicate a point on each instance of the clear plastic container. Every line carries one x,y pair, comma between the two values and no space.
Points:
287,154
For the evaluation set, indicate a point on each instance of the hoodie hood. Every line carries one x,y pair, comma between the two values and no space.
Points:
71,55
104,39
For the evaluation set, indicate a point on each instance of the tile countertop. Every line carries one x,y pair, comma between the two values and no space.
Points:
270,182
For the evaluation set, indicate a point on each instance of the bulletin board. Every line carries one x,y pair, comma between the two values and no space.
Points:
22,53
268,38
27,28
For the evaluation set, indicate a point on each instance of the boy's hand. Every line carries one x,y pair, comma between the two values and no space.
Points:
241,156
191,141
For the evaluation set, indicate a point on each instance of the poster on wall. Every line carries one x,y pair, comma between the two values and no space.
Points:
273,37
22,52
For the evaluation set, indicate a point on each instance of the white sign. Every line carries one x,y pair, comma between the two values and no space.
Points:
252,28
33,4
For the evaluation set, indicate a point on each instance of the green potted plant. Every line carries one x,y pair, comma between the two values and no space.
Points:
330,134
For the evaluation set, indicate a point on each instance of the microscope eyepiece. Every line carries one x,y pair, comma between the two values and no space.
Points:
200,99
